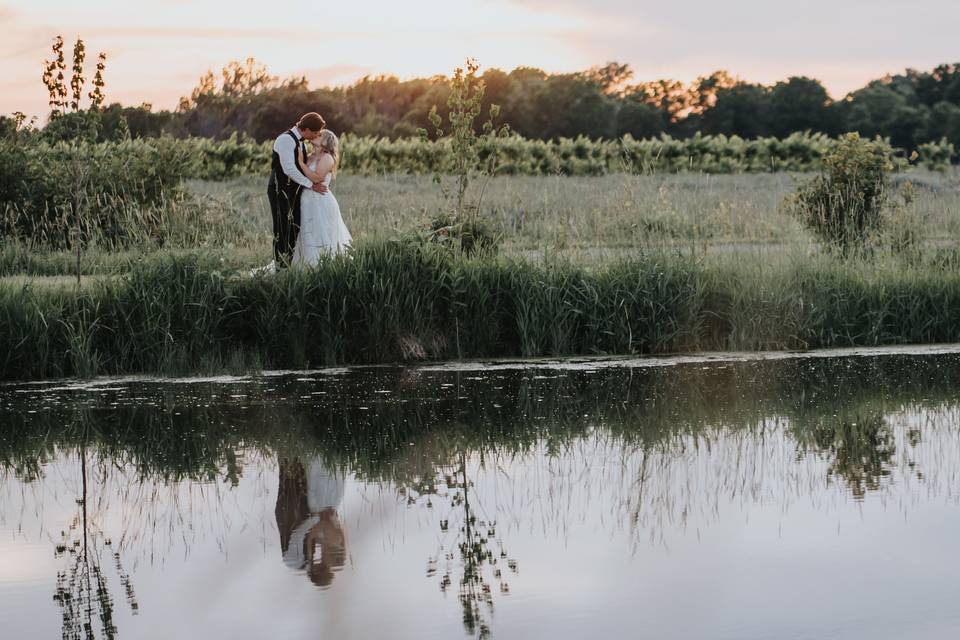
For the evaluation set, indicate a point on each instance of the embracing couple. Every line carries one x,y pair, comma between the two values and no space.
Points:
306,216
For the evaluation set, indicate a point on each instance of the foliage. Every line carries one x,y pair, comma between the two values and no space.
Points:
910,109
75,126
96,95
236,81
741,110
38,188
639,120
580,156
799,104
936,156
463,224
55,80
845,204
18,127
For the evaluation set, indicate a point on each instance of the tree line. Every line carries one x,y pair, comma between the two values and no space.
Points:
601,103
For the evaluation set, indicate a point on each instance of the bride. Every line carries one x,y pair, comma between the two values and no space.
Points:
322,231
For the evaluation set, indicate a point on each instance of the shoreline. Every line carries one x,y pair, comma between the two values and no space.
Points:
569,363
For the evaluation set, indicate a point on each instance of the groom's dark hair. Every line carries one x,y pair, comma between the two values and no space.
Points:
313,121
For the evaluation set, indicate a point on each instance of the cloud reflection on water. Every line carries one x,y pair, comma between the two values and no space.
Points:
569,494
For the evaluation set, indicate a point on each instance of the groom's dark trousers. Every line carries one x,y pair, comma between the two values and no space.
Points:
284,196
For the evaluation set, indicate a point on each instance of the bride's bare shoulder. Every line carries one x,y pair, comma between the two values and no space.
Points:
325,161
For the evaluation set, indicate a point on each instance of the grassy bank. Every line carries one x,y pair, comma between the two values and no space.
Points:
392,301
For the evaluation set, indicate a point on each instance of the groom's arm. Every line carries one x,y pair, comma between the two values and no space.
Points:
286,148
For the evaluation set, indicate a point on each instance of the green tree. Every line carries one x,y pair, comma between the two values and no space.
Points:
640,120
741,110
944,122
217,108
54,79
17,125
138,122
68,118
799,104
612,78
465,104
568,105
669,96
942,84
703,93
889,110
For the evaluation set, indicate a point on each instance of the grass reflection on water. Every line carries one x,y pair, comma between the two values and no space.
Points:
664,446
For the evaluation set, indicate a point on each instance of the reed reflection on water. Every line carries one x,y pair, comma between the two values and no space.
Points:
480,459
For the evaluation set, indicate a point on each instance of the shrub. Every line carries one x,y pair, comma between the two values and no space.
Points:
75,126
936,156
41,183
470,235
844,205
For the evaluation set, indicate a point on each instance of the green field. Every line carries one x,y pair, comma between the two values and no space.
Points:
615,211
579,218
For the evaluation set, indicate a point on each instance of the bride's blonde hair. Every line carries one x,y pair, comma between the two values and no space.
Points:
329,142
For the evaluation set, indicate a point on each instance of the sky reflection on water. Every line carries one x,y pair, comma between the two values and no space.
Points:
787,498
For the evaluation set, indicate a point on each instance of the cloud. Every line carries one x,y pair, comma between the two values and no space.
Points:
197,33
335,75
763,40
161,48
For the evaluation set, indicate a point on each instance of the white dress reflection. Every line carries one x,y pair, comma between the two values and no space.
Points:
311,537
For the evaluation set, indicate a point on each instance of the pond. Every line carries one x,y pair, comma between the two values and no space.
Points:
729,496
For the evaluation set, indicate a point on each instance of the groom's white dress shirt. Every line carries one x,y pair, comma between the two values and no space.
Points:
286,148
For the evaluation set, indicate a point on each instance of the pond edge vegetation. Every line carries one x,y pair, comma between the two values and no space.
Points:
391,301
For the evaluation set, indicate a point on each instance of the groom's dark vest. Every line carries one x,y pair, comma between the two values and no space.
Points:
280,180
284,196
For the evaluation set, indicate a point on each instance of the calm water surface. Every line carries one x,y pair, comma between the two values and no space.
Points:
787,497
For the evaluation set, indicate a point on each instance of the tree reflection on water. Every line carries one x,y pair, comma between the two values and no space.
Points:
471,553
860,450
83,591
424,433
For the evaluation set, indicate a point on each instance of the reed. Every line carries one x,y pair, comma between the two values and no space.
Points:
394,301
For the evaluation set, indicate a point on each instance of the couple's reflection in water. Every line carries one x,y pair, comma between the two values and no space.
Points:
311,536
470,561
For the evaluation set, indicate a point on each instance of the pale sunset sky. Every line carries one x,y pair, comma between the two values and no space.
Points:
159,49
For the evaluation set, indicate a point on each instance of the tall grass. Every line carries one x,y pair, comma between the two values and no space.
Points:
393,301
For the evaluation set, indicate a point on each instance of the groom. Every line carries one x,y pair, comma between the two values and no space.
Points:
287,180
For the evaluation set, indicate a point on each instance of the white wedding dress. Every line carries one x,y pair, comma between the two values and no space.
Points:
322,231
324,491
